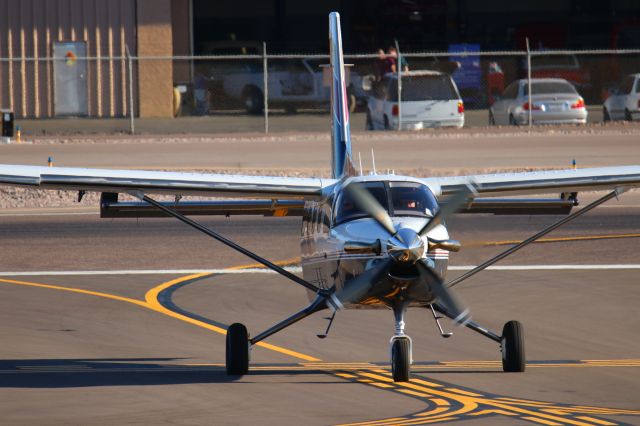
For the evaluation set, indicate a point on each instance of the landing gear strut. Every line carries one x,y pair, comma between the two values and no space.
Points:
401,358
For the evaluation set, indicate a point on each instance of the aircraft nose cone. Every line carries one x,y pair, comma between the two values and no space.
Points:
406,246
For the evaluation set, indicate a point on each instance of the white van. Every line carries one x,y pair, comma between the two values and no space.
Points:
429,99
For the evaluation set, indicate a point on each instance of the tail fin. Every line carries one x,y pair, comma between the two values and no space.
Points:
341,158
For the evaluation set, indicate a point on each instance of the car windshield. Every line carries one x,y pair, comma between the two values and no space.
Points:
436,87
549,88
553,61
407,199
627,85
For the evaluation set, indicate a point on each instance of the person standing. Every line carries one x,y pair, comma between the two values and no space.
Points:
393,53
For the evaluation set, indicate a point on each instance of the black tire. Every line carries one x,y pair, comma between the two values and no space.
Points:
605,115
492,120
400,360
237,350
252,99
512,120
368,125
513,357
627,115
353,102
386,123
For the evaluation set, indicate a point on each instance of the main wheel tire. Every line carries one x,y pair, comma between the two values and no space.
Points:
368,125
401,359
627,115
606,117
492,120
513,357
237,350
252,100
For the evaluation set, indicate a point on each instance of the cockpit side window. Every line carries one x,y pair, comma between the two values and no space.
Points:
412,199
346,209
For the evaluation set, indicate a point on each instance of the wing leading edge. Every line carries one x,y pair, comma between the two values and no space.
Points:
154,182
542,182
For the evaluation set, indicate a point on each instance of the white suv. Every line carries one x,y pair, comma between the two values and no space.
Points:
429,99
625,104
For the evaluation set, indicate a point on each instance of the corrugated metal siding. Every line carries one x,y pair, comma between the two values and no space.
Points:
28,29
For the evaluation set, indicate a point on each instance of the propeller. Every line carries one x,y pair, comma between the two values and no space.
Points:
453,204
445,295
356,288
368,203
405,245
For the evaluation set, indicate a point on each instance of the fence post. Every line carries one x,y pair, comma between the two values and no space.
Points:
529,82
132,126
265,83
399,72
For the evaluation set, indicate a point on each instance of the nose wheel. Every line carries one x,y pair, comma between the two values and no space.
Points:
401,358
400,345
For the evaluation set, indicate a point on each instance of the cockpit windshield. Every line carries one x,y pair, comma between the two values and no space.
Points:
346,207
412,199
397,198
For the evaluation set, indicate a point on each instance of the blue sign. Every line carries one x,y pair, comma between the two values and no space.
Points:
469,75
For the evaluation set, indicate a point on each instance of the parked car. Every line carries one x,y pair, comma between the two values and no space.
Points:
566,67
429,99
554,101
624,103
292,83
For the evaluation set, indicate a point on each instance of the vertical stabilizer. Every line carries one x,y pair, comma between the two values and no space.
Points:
341,158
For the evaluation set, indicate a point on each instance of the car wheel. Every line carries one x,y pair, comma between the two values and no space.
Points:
353,102
386,123
605,115
492,120
252,100
369,123
627,115
512,120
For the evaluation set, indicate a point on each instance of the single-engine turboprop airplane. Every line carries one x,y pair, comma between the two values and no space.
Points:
367,241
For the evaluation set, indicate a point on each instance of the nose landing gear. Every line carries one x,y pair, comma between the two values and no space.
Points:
401,357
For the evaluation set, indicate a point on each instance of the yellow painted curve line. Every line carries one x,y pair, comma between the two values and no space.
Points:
151,302
151,299
555,240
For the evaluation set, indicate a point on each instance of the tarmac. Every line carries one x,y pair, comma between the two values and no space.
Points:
121,321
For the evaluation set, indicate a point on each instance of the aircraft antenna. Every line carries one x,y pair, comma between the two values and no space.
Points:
373,162
360,160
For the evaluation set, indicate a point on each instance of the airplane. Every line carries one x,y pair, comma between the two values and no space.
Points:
368,241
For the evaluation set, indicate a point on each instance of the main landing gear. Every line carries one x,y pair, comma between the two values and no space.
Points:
512,347
237,350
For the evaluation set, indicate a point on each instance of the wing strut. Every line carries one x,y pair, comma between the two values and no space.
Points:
226,241
533,238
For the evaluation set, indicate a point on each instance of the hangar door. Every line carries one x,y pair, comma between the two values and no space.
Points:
70,78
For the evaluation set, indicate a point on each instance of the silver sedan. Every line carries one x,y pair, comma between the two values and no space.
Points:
554,101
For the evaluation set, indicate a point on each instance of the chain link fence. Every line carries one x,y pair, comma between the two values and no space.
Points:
260,92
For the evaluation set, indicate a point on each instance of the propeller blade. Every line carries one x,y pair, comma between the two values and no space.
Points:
368,203
445,296
355,289
453,204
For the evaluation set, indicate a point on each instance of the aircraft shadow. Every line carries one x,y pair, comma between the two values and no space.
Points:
72,373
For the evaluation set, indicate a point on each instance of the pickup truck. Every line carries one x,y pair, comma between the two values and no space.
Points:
292,83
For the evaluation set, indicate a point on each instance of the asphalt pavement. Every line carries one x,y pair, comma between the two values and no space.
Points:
147,348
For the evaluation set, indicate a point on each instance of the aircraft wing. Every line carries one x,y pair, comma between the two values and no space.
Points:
541,182
153,182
